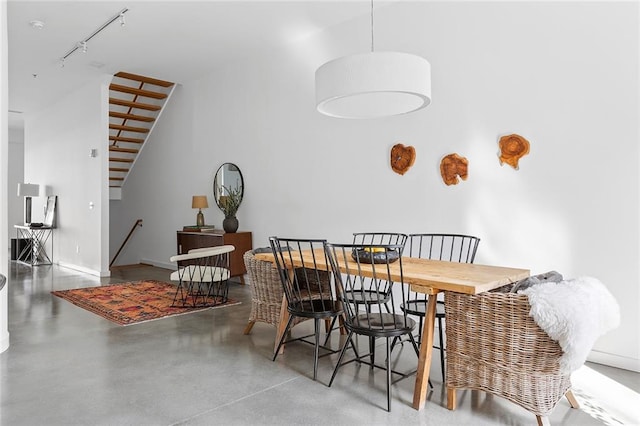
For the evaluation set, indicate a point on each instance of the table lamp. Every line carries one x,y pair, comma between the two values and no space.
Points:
28,190
199,202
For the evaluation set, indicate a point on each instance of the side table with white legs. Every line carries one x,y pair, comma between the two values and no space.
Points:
37,239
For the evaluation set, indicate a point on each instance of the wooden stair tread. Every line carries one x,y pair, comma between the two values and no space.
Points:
136,86
136,91
132,104
129,128
128,150
131,116
143,79
125,139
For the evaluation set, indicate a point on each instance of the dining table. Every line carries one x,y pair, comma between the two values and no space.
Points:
424,276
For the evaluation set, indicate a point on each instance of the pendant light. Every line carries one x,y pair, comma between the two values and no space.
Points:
372,85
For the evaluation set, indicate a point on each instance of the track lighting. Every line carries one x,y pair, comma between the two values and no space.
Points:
83,44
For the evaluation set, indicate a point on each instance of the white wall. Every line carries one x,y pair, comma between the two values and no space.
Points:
563,75
57,144
15,204
4,174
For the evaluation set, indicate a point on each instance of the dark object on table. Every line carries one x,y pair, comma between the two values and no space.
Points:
366,256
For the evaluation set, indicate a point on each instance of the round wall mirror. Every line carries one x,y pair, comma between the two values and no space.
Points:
228,188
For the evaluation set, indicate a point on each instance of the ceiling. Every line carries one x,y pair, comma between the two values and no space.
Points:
171,40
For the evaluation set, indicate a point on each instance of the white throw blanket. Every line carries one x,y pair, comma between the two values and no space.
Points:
574,313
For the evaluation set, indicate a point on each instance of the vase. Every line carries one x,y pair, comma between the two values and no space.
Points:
230,224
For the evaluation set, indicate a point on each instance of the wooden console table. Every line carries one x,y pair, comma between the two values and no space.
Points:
242,241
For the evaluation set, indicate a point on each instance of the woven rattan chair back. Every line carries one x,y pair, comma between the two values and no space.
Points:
447,247
307,287
369,269
266,292
494,345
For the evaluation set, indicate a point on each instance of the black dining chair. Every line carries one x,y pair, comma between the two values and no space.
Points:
447,247
307,288
373,270
364,297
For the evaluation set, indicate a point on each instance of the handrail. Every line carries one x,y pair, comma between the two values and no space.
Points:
133,228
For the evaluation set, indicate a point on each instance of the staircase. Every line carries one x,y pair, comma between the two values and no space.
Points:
135,104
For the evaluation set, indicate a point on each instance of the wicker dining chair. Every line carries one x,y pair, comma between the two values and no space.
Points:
266,291
494,345
447,247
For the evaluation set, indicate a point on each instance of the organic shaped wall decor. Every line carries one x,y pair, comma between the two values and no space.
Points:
453,167
513,148
402,158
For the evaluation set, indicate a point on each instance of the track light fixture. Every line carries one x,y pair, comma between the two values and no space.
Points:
83,43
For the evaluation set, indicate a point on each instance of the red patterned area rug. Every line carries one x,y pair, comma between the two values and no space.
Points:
131,303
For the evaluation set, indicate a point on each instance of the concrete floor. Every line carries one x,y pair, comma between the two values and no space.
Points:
67,366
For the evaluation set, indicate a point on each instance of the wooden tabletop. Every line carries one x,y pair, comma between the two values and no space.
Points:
431,276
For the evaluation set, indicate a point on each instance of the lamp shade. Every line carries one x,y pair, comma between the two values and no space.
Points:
28,190
199,202
371,85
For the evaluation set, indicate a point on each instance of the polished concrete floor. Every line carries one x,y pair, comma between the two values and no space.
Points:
67,366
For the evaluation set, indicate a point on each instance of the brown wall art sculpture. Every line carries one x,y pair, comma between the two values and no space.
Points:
512,149
402,158
453,167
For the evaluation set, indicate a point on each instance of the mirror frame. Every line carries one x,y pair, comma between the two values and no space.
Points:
217,188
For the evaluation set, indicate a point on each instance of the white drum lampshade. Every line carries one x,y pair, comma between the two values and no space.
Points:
372,85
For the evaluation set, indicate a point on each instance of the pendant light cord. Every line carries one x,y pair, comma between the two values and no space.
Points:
371,26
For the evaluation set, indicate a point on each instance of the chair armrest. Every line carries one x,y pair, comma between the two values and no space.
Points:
202,252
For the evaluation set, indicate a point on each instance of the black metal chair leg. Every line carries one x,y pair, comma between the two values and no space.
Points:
395,340
388,365
342,352
372,350
316,351
333,322
441,349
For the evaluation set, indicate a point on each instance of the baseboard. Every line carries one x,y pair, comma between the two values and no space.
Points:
612,360
165,265
100,274
4,342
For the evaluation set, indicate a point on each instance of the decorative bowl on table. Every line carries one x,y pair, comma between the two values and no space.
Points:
375,255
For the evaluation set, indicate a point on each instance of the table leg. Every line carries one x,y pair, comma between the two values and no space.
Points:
282,325
424,361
